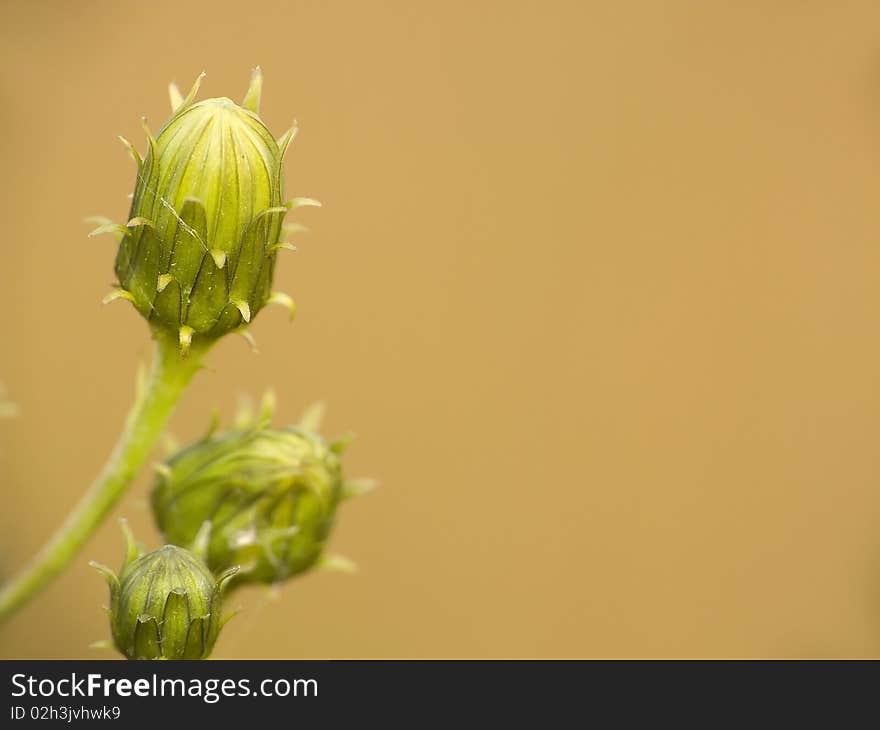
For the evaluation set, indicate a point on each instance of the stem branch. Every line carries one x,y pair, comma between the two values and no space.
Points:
154,402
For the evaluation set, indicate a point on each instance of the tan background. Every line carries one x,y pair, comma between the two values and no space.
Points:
597,284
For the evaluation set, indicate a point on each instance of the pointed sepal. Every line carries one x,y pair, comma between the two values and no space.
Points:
244,308
146,638
202,540
357,487
219,257
292,229
286,139
175,624
249,338
341,443
303,202
336,563
163,281
184,336
226,576
174,96
311,419
117,293
268,406
285,300
135,155
251,100
283,246
108,574
178,102
107,226
132,549
138,221
195,639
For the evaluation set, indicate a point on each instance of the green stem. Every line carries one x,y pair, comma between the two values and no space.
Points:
153,404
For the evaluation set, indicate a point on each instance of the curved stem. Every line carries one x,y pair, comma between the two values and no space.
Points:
154,402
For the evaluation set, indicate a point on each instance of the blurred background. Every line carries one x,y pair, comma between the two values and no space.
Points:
596,285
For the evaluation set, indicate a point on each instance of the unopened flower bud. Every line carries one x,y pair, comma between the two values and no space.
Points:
257,497
164,605
197,254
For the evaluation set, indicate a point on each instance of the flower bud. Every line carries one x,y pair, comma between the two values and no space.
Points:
164,604
254,496
197,255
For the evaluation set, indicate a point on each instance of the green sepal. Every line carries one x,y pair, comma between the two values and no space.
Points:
146,639
195,639
357,487
132,549
111,578
251,100
209,296
175,624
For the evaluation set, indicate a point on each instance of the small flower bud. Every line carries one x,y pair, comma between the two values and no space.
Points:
255,496
197,255
164,605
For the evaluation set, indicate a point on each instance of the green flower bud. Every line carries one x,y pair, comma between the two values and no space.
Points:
164,604
197,255
254,496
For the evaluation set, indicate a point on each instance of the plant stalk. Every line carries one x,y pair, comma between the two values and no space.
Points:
154,402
